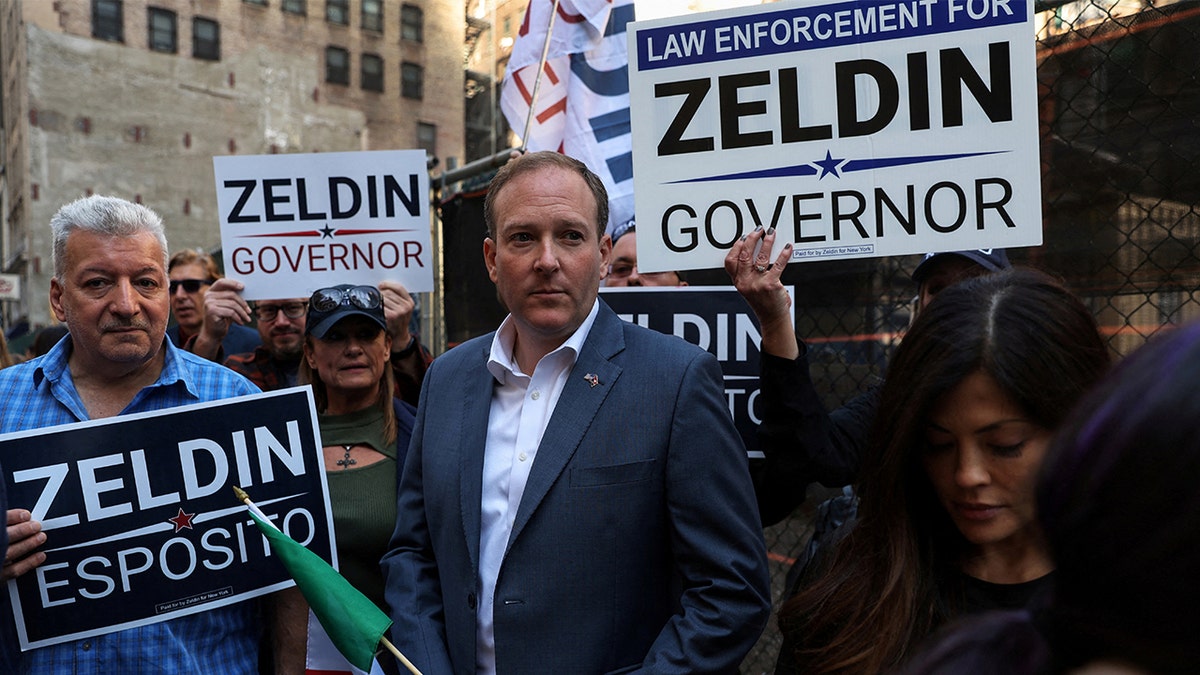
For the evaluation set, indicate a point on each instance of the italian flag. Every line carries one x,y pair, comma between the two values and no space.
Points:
353,623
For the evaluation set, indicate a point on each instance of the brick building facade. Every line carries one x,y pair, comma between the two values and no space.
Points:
133,98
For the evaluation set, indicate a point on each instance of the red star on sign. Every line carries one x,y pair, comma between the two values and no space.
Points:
182,520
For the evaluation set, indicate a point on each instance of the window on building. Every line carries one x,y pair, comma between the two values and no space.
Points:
163,33
337,11
206,39
412,23
412,80
337,65
295,6
372,72
261,3
108,20
427,138
372,19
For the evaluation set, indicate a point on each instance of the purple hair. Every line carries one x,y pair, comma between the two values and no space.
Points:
1119,499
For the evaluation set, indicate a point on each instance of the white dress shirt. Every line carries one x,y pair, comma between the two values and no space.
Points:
521,408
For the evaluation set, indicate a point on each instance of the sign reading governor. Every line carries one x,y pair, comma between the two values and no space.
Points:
141,522
856,129
293,223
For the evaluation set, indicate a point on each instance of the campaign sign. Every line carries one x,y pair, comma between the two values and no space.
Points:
858,128
716,319
291,224
141,522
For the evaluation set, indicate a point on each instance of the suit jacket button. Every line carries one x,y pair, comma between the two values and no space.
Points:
471,601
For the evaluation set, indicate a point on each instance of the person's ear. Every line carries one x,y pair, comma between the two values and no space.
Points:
489,257
606,245
56,293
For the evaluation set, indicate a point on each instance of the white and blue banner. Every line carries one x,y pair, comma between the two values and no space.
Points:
140,519
716,319
860,128
582,106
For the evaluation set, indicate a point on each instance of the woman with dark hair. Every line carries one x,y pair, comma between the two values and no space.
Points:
946,522
1118,503
365,431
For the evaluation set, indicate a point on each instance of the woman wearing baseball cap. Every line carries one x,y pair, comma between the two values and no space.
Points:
365,431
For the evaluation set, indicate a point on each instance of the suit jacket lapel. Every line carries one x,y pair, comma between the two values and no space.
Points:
473,422
574,413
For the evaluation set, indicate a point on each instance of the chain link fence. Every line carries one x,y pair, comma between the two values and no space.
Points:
1119,107
1119,103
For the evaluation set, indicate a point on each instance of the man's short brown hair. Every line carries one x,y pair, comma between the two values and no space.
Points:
535,161
196,257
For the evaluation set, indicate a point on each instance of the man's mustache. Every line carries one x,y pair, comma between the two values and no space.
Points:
125,325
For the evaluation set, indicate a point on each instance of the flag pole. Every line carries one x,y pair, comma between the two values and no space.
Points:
245,499
396,652
537,81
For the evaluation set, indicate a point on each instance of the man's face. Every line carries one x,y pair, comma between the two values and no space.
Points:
113,298
188,306
546,260
624,271
281,334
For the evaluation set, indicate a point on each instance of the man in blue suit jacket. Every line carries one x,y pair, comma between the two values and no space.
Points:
576,498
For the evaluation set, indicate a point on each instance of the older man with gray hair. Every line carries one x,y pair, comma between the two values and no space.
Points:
110,288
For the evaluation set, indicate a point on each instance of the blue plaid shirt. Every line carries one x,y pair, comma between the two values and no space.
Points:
41,393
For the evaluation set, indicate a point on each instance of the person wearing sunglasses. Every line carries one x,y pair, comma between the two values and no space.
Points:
192,273
576,498
281,324
366,432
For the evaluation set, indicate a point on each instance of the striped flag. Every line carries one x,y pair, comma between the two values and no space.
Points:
582,108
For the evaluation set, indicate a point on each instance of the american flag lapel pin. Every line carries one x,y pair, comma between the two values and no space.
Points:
592,379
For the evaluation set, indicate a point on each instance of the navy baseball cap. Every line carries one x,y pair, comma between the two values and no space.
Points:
990,259
328,306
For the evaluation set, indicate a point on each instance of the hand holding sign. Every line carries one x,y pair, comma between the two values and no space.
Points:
24,537
763,291
223,307
398,307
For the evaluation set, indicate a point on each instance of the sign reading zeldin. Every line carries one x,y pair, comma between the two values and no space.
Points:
291,224
141,522
856,129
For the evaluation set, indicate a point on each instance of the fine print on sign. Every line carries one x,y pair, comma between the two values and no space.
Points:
856,129
291,224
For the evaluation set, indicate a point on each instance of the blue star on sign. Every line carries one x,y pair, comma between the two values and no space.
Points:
326,231
829,165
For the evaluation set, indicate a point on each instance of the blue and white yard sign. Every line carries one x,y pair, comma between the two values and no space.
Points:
141,522
291,224
857,129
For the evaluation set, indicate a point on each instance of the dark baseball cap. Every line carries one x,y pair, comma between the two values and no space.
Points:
328,306
990,259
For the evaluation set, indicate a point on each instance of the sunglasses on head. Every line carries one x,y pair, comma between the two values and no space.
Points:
189,285
362,297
